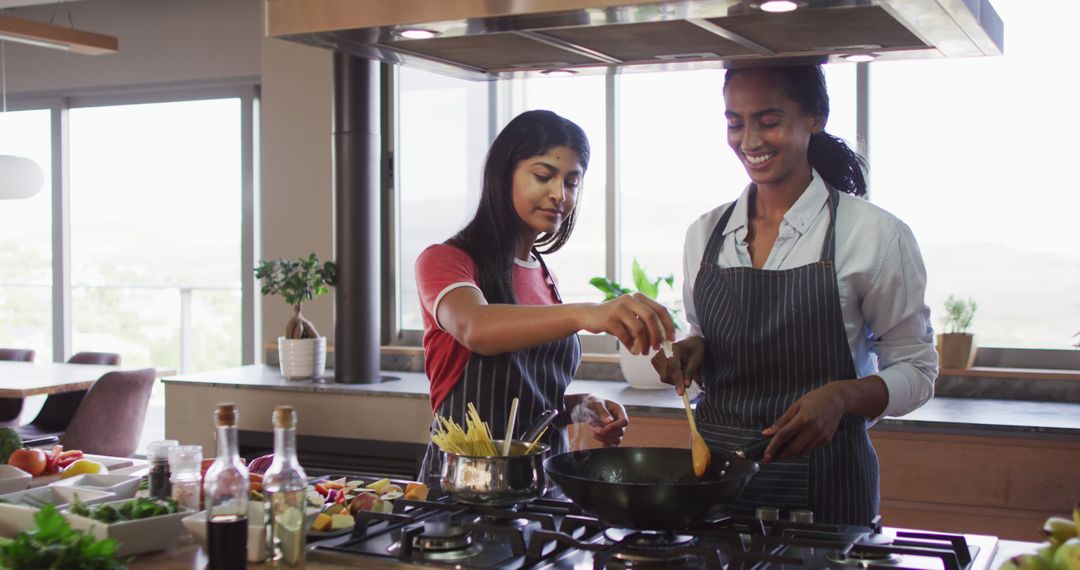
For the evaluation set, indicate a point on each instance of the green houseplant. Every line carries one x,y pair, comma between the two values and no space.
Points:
637,369
302,350
956,346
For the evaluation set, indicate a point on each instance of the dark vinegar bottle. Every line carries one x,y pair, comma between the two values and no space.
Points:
226,496
224,534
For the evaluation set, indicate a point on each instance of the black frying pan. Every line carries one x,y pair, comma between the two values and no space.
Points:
652,488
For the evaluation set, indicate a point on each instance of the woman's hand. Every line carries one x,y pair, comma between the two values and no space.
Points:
606,417
639,322
807,424
684,366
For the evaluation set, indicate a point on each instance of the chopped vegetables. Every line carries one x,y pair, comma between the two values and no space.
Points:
340,499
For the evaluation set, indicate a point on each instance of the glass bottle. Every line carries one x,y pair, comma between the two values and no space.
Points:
284,484
225,491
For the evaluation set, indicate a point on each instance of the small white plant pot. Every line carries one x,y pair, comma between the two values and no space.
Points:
638,370
302,358
640,374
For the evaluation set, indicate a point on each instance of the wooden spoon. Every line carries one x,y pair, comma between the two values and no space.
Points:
699,450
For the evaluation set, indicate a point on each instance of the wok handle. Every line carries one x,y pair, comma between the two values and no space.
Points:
754,451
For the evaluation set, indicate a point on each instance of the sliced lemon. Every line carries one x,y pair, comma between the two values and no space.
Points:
83,467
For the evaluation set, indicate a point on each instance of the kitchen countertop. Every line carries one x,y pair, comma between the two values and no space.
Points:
952,415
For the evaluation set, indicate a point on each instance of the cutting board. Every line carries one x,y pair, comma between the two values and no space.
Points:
110,463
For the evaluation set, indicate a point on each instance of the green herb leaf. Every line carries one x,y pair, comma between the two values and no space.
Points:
53,544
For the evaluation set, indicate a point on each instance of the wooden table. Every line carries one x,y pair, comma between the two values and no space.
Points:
22,379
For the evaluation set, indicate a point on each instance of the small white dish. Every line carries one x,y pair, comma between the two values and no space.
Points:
13,479
58,496
135,537
123,486
17,509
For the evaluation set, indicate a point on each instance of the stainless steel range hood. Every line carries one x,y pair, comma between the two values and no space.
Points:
492,39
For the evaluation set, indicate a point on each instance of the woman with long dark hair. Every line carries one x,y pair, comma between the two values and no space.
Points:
495,327
805,303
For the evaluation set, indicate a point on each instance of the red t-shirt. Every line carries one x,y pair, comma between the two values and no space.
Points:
442,268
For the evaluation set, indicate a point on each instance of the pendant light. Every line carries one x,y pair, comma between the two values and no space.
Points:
19,177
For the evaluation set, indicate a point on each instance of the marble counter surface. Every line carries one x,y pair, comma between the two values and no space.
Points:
951,415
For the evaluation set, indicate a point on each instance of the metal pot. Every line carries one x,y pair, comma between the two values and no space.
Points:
496,481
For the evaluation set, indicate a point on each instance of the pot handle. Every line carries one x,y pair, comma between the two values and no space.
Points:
539,424
754,451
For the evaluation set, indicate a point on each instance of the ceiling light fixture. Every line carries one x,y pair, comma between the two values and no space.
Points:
777,6
418,33
19,177
559,72
860,57
56,37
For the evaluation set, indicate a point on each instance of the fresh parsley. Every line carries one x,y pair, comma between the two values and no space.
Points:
131,510
54,545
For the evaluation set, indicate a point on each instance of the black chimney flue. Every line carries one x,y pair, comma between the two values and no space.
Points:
356,161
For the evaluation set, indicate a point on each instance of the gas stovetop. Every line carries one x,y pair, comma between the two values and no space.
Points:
556,534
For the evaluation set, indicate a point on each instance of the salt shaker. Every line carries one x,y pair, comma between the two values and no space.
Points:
185,476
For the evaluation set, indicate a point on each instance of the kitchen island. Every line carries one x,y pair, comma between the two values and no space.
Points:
996,467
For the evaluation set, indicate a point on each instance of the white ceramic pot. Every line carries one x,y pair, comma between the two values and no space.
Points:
638,370
302,358
639,373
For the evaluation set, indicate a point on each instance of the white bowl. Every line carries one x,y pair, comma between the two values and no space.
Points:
123,486
135,537
17,509
256,541
13,479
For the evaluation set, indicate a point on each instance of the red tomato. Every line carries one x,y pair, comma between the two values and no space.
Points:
30,460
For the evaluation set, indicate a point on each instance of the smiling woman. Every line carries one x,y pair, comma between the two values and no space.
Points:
495,326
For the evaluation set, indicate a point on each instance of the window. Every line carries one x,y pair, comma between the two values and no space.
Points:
26,239
156,234
676,164
580,99
947,161
673,161
442,139
969,153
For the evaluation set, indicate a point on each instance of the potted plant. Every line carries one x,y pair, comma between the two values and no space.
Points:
302,350
956,346
637,368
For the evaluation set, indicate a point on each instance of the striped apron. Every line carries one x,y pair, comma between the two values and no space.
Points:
536,376
771,337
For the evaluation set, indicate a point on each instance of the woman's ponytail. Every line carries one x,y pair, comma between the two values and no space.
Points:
836,162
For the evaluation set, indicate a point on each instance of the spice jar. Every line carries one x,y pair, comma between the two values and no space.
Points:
185,476
158,454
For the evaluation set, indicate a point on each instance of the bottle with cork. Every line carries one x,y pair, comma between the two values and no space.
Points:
284,484
225,490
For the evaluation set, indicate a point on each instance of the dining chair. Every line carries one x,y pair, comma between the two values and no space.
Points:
58,409
110,418
10,408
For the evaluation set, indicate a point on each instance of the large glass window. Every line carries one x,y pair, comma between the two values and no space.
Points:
580,99
155,232
675,163
442,140
969,154
26,240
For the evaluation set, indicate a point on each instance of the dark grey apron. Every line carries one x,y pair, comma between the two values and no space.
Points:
536,376
771,337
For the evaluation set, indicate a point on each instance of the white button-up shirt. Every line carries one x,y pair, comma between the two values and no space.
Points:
879,271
